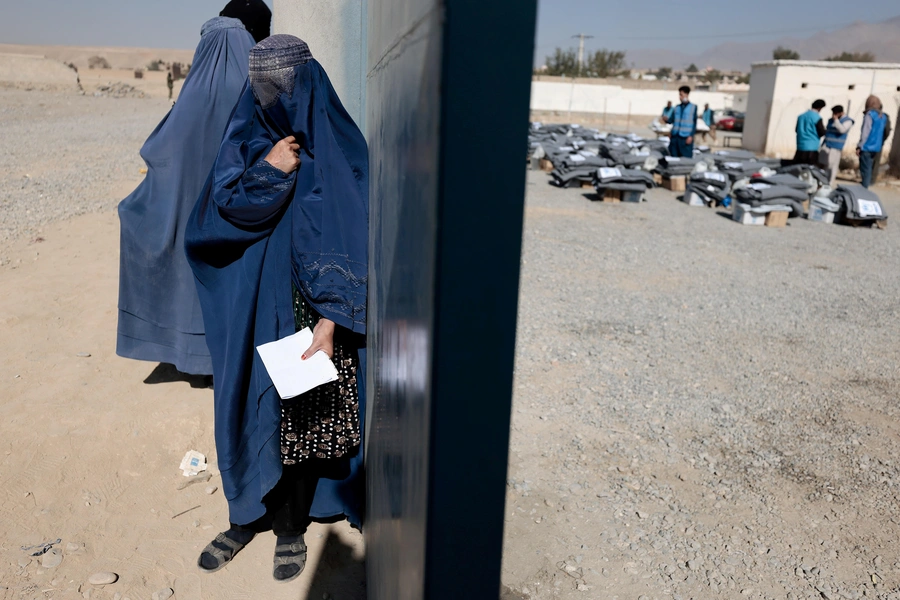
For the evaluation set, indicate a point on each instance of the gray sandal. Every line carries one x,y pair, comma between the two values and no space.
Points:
222,550
289,561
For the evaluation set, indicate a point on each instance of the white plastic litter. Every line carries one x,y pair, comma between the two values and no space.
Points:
193,463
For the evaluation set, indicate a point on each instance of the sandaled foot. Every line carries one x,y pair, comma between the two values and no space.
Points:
221,550
290,558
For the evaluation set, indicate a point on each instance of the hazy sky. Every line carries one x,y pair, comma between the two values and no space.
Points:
626,25
140,23
620,24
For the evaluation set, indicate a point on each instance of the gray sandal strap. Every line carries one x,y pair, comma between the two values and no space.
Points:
222,556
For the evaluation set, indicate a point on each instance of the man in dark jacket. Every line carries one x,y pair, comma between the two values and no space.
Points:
254,14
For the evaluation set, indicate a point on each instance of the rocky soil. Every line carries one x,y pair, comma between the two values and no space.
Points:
65,154
703,409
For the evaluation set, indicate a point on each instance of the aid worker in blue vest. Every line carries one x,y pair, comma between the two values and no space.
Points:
876,128
810,131
835,138
667,112
684,125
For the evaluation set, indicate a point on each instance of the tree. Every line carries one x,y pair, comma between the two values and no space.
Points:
156,65
664,72
602,63
743,79
782,53
605,63
712,76
852,57
692,69
563,62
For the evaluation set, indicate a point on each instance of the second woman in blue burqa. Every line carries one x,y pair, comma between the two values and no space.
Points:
277,242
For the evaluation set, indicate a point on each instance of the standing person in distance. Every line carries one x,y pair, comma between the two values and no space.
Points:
710,122
810,131
876,128
835,138
667,112
684,125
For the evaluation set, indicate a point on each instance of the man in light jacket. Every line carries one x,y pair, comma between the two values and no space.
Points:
835,138
876,128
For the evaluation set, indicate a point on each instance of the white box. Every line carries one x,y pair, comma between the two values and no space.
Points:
632,196
743,215
694,199
817,213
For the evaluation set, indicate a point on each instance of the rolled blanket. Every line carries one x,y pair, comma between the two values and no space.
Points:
606,177
784,179
859,203
761,194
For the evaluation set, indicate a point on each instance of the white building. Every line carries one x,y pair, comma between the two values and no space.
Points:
781,90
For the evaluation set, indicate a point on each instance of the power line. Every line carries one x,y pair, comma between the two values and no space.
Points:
581,37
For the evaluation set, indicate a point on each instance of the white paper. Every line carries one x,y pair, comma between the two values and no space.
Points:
609,172
869,208
713,175
192,464
291,375
670,159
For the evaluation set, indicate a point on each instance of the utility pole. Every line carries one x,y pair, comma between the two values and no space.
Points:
581,37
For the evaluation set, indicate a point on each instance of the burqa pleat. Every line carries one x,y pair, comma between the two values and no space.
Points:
159,312
257,231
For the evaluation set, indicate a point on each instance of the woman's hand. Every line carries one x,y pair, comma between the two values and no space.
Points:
323,339
283,155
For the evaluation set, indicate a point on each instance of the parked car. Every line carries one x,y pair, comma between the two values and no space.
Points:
733,122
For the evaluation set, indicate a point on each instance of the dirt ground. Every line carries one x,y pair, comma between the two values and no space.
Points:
90,452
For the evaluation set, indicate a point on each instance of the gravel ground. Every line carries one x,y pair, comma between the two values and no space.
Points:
703,409
64,154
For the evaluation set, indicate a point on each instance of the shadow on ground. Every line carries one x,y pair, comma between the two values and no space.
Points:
167,373
338,574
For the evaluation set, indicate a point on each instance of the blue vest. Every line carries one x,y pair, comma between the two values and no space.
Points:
708,116
684,120
668,112
807,136
876,136
833,138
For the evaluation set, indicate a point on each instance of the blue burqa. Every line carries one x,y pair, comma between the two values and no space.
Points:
254,233
159,312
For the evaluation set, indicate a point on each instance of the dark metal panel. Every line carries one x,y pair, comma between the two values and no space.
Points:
403,119
487,62
447,111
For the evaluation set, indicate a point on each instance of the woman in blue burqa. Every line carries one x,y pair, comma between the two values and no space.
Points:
278,242
159,312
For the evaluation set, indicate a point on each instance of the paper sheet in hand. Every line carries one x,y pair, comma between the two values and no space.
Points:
291,375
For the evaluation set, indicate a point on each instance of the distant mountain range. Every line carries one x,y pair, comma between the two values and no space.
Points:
881,39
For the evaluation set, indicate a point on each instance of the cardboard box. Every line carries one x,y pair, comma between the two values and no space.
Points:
657,179
743,215
805,205
694,199
632,196
612,196
587,185
777,218
817,213
546,165
675,184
